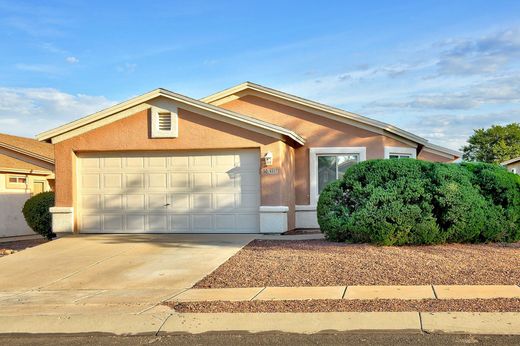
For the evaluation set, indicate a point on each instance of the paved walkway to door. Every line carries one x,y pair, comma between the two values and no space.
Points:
109,273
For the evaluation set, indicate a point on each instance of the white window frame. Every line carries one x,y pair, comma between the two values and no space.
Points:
313,164
513,170
400,151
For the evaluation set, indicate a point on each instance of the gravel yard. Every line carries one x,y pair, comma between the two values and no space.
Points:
321,263
18,245
427,305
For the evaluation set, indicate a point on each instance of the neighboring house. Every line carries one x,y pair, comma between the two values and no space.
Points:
26,169
512,165
247,159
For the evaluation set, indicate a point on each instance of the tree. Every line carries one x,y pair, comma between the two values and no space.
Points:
493,145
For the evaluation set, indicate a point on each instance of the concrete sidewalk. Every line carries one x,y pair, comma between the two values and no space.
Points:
350,292
159,323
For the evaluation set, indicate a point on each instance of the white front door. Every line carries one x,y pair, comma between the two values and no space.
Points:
181,192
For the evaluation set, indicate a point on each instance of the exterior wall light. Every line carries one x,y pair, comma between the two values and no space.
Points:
268,158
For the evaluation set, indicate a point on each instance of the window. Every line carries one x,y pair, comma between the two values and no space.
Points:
513,170
400,153
399,156
329,164
17,180
332,167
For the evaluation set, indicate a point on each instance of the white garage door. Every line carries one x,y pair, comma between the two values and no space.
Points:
195,192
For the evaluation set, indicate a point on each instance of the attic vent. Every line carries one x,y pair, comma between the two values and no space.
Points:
165,121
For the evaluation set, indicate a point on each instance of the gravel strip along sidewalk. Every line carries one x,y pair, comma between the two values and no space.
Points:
321,263
328,305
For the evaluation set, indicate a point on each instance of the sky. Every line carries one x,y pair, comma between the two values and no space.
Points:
439,69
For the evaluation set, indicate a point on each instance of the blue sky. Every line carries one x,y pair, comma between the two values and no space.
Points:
436,68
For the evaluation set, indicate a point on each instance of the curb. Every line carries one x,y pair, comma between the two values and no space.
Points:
506,323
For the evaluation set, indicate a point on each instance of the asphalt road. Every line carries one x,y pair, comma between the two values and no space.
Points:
265,339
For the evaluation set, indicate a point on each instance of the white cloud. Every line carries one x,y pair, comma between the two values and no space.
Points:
72,60
28,111
439,90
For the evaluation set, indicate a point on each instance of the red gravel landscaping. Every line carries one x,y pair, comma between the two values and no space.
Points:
321,263
326,305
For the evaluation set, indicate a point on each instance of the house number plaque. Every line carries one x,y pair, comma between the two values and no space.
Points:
270,171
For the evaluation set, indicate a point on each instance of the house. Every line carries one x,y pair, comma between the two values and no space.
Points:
26,169
247,159
512,165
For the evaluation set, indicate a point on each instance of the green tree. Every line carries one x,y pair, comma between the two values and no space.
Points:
493,145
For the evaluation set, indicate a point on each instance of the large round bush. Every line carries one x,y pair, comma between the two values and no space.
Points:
397,202
37,214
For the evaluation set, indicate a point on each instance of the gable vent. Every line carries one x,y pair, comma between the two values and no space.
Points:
165,121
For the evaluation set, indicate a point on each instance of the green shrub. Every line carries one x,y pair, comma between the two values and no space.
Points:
37,215
501,188
397,202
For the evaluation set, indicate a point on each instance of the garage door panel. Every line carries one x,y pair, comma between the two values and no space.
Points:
179,163
157,162
134,162
112,163
134,181
90,181
158,223
201,201
247,222
157,202
112,202
135,202
180,223
202,222
202,180
113,222
91,201
180,202
157,180
112,181
174,192
225,201
91,223
225,222
180,181
135,222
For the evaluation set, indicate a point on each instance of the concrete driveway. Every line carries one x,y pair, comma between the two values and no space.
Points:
109,273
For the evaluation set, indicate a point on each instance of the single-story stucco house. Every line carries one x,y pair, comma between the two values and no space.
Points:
512,165
26,169
247,159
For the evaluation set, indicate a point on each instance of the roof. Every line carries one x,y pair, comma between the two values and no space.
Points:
227,115
11,164
339,114
28,146
508,162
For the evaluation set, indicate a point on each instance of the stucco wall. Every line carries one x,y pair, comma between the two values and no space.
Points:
427,156
317,131
196,132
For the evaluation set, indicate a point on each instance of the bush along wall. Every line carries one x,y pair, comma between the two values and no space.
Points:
37,215
398,202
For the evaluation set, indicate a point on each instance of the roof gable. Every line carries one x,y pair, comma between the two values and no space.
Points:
28,146
354,119
150,99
